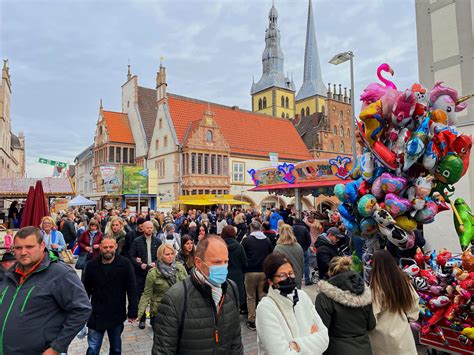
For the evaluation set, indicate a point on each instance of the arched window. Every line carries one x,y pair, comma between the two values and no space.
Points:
209,136
287,102
307,111
331,146
342,131
287,116
282,101
343,147
349,133
260,104
341,116
264,102
322,109
335,130
282,115
302,112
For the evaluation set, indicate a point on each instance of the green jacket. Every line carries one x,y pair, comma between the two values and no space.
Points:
47,310
155,288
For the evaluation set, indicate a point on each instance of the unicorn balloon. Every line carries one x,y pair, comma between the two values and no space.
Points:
446,99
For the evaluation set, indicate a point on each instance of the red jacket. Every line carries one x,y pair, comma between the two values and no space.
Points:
85,241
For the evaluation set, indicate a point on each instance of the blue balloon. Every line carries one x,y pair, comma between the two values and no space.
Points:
346,211
351,226
352,190
368,226
340,192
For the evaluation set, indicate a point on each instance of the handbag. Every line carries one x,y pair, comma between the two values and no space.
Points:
66,255
81,261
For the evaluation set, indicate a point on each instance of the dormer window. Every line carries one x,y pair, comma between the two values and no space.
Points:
209,136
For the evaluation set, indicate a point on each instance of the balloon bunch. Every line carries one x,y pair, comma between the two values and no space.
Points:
446,290
412,157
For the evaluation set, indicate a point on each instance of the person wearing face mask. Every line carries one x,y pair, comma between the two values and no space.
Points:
200,315
287,322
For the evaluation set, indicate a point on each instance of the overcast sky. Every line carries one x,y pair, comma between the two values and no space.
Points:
66,54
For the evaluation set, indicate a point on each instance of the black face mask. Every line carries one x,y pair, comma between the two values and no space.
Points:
286,286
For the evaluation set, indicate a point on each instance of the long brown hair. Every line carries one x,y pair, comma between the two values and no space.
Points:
390,287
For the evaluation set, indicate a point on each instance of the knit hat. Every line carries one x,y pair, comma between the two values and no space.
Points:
8,257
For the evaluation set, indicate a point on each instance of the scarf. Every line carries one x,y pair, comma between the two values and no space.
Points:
216,290
168,271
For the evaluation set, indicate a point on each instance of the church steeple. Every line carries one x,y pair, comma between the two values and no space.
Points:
272,59
312,79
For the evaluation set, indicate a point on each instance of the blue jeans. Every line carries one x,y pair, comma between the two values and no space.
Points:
95,337
307,276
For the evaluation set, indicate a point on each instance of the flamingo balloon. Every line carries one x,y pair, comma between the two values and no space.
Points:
375,91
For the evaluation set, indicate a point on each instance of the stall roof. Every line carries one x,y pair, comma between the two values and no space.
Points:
15,187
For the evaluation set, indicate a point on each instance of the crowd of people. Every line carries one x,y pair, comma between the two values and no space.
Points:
194,274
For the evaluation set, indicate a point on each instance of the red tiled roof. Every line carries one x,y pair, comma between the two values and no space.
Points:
118,127
248,133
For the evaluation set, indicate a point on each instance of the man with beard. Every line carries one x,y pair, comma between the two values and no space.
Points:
109,280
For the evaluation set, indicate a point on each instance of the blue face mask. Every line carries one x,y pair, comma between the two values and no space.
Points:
217,274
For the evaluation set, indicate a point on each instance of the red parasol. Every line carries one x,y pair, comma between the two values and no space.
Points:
40,206
27,214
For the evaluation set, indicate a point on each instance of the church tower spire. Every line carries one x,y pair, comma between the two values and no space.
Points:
266,92
312,80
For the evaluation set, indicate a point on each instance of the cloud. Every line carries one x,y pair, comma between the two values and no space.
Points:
66,55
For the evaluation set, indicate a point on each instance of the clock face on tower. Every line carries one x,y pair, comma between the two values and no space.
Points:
209,121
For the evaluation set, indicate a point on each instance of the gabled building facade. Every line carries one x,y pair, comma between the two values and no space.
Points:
12,147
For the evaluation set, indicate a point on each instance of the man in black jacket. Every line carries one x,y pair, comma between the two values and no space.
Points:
303,236
69,230
109,280
143,256
257,246
326,249
131,236
200,315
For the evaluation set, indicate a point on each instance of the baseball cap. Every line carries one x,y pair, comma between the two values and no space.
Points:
335,231
8,257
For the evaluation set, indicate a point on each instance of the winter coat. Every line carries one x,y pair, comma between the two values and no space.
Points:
241,230
109,286
205,330
272,236
274,218
325,251
302,235
295,254
129,238
69,231
393,335
237,265
344,305
47,310
279,322
85,241
156,286
139,250
120,238
173,239
257,247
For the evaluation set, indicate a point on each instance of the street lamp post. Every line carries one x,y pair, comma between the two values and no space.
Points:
336,60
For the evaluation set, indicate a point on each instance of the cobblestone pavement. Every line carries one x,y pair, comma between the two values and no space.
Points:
138,341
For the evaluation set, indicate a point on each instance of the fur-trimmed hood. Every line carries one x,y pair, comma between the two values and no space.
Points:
347,288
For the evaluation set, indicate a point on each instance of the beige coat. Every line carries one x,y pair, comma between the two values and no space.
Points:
393,335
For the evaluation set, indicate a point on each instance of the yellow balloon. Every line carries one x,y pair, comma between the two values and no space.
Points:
407,223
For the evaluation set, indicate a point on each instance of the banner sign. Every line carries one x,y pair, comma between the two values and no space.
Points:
59,164
111,180
135,180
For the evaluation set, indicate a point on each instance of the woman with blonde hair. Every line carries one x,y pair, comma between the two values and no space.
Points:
53,238
395,303
159,279
115,229
289,246
344,304
241,226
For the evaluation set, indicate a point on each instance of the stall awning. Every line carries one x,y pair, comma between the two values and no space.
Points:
203,200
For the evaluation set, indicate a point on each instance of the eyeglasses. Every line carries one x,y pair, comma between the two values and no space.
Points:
283,276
